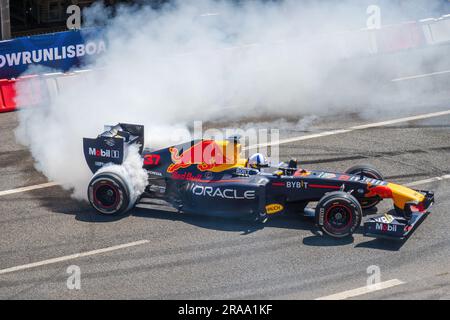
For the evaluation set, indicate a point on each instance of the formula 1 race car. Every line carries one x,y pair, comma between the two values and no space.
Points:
210,177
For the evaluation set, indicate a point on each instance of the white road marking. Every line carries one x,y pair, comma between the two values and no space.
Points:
416,183
342,295
363,290
72,256
345,294
29,188
354,128
417,76
284,141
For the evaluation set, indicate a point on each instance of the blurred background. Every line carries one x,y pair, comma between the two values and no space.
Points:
29,17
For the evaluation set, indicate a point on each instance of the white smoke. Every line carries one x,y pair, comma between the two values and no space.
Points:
131,171
204,60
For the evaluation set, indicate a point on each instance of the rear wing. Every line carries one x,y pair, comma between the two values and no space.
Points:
109,146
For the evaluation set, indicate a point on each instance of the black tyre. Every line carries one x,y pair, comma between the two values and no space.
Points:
338,214
109,194
368,171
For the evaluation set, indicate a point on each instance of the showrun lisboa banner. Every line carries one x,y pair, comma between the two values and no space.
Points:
59,51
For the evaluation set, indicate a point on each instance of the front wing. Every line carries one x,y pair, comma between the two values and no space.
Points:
397,227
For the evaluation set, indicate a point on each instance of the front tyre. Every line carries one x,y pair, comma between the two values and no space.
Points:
109,194
338,214
369,171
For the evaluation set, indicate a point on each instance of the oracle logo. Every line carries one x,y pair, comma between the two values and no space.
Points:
227,193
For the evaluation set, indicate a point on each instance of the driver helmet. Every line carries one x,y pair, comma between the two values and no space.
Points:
256,161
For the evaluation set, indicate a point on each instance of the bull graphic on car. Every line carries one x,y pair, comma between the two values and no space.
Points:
209,177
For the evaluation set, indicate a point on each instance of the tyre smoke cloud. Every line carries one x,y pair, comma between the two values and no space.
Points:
131,171
209,61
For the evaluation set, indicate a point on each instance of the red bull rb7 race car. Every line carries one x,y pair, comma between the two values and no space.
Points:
210,177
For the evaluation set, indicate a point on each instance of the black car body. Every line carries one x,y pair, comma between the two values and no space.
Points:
210,177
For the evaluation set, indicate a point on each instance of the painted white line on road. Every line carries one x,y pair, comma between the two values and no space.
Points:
345,294
284,141
363,290
416,183
72,256
354,128
29,188
417,76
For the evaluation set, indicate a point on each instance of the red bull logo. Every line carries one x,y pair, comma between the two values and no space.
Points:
207,154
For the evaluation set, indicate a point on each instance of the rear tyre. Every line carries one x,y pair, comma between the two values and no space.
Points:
368,171
109,194
338,214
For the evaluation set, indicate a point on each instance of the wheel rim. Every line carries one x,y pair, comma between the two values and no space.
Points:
106,195
339,217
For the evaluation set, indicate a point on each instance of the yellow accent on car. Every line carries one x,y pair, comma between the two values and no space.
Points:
402,195
234,158
274,208
388,218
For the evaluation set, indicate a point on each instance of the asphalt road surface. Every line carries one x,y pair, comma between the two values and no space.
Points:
189,257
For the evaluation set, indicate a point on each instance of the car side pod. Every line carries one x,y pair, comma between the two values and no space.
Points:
400,227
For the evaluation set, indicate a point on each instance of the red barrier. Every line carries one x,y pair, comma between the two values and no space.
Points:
2,104
399,37
33,93
8,95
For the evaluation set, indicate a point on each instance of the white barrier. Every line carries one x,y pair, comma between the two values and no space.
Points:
70,79
346,45
436,31
52,86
